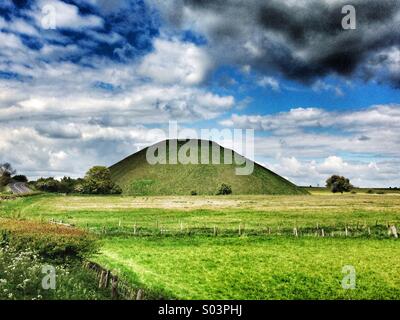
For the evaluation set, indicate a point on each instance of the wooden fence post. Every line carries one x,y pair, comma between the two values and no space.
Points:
240,229
346,232
139,295
101,281
322,232
393,231
106,280
215,231
114,287
295,233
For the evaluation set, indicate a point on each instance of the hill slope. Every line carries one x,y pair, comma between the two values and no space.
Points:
137,177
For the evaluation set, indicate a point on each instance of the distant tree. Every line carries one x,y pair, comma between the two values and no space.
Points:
20,178
48,185
6,171
98,181
68,184
339,184
224,189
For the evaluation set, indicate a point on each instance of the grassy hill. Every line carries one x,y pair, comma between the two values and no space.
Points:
137,177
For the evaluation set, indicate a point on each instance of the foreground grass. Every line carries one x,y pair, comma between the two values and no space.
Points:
256,268
231,267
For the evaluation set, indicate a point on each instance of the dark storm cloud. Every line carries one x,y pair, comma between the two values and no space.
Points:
301,39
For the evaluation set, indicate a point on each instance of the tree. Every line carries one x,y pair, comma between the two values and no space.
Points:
6,171
68,184
98,181
48,185
20,178
339,184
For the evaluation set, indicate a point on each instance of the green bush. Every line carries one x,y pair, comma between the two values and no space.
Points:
193,193
50,241
98,181
48,185
224,189
27,246
22,273
20,178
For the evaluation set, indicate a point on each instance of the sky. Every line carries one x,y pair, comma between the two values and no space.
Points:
85,82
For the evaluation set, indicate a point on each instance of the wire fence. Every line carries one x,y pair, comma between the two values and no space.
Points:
358,230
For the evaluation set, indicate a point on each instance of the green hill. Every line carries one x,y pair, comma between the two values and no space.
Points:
137,177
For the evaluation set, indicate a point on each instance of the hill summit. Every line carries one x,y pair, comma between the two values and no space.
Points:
136,175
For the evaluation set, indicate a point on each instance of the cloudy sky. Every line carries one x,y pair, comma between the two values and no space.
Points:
83,82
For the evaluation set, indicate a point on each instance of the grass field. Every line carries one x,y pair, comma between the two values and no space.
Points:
238,247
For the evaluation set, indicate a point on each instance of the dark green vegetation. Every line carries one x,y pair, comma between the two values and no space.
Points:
137,177
27,251
6,172
96,181
338,184
237,247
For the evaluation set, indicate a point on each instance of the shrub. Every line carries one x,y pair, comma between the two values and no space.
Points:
20,178
193,193
224,189
50,241
370,191
21,279
48,185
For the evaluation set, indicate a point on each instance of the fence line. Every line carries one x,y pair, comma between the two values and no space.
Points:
119,289
347,231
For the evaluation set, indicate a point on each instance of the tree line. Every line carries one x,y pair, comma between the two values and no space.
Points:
96,181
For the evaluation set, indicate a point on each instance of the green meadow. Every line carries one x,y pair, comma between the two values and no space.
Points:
237,247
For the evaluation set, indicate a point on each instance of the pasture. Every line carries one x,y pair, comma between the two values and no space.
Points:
237,247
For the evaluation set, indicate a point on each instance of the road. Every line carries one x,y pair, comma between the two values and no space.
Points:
19,188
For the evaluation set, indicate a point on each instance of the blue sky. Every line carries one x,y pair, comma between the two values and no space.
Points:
83,82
